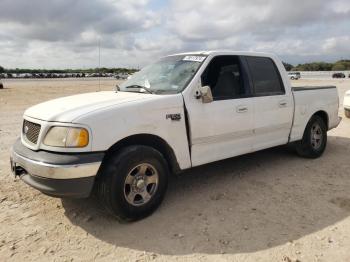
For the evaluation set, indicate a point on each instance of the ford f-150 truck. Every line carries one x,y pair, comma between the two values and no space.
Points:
181,111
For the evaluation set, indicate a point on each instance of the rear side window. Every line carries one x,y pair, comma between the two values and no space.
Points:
265,76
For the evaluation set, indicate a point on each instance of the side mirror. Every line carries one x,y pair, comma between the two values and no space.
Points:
205,94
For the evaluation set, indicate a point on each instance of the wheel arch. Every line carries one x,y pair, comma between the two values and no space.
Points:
322,114
150,140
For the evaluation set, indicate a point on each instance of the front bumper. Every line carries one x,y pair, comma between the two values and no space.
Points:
56,174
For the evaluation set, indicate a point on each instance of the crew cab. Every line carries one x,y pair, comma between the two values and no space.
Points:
181,111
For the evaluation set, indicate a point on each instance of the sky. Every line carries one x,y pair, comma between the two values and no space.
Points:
133,33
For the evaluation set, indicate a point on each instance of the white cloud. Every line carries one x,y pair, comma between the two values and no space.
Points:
336,45
65,33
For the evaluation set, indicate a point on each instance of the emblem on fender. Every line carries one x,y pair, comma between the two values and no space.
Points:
174,117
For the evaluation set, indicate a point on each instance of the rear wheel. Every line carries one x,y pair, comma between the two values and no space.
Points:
314,140
347,113
133,182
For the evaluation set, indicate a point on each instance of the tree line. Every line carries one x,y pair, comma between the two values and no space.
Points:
341,65
61,71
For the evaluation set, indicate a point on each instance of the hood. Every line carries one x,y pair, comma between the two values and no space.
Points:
66,109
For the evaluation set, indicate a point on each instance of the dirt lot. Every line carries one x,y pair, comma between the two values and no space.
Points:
266,206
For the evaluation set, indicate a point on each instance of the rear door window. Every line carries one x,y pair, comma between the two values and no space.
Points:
265,76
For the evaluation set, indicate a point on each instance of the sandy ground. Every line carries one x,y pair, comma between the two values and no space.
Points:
266,206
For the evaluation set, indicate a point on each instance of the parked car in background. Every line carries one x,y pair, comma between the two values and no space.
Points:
294,75
338,75
121,76
346,104
182,111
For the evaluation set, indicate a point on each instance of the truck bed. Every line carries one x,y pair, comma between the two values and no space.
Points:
311,99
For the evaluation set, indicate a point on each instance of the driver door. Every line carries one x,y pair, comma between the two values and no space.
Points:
222,128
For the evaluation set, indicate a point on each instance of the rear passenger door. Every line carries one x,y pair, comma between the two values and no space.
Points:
273,106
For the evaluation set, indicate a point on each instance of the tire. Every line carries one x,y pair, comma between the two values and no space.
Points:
292,78
347,113
132,182
310,146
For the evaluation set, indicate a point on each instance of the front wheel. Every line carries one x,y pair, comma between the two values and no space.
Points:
314,140
132,183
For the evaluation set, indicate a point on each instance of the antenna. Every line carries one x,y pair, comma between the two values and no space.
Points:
99,64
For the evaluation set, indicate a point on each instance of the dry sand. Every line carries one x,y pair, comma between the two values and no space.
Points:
266,206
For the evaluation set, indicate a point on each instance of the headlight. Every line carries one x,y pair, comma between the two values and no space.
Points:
60,136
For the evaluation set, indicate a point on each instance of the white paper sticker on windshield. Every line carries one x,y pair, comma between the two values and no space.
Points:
194,58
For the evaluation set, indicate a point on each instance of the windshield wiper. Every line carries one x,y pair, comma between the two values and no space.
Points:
140,88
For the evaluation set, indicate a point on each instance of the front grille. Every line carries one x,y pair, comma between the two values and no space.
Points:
31,131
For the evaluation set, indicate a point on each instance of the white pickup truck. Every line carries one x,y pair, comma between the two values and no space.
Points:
294,75
182,111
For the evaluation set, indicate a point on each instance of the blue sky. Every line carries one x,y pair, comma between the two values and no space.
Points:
65,33
158,4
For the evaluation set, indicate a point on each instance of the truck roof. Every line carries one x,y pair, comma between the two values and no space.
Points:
225,52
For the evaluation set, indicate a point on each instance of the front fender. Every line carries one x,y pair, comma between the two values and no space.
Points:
113,124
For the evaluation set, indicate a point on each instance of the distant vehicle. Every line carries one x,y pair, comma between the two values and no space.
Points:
294,75
95,75
1,86
37,76
346,104
122,76
338,75
19,75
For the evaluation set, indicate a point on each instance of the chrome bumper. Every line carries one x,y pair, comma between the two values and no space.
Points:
53,171
56,174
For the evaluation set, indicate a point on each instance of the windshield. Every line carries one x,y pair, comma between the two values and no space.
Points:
169,75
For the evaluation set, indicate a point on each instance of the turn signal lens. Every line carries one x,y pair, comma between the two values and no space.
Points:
77,137
59,136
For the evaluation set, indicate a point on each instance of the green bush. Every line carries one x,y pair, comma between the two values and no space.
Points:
322,66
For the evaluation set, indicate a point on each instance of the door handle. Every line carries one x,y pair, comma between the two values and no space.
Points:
282,103
241,109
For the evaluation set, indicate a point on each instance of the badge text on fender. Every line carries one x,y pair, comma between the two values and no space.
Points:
174,117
